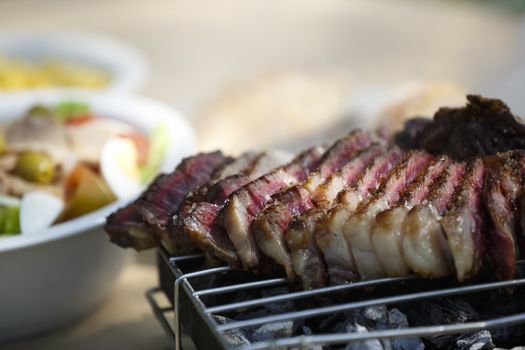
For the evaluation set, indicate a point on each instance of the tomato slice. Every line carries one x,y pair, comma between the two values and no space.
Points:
79,119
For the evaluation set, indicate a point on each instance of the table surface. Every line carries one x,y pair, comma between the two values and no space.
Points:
195,47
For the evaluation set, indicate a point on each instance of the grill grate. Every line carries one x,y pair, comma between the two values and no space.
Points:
192,289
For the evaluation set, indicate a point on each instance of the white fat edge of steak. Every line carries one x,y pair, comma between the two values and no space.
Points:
463,224
425,247
329,229
271,224
358,229
387,234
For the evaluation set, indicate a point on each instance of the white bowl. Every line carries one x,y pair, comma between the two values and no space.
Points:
127,66
51,278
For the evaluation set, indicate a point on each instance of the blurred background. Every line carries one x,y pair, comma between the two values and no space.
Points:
215,58
280,73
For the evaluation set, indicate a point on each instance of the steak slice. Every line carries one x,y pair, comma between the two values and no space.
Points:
126,229
463,224
198,219
328,229
425,248
503,184
272,222
165,194
245,203
306,258
387,236
358,228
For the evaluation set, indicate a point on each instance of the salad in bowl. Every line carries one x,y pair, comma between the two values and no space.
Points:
67,160
61,161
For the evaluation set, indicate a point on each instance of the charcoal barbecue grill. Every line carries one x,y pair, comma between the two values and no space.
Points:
198,292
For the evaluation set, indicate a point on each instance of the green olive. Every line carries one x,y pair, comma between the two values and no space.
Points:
39,111
35,167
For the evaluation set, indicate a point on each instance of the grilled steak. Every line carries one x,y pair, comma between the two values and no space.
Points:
366,210
358,228
503,184
244,204
328,230
271,223
424,243
198,219
387,234
163,197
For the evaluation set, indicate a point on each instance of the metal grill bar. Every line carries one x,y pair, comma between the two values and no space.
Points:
307,293
184,278
304,341
388,334
237,287
177,259
374,302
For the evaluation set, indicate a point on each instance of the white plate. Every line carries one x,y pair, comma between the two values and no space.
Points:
53,277
127,66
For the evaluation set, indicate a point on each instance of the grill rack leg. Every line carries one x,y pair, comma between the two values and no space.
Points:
160,312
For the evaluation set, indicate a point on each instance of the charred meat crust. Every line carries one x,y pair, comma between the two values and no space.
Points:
485,126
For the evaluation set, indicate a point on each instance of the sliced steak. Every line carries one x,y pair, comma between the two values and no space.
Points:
244,204
301,240
503,184
164,195
425,247
347,176
387,236
328,230
198,219
463,224
272,222
127,229
358,228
